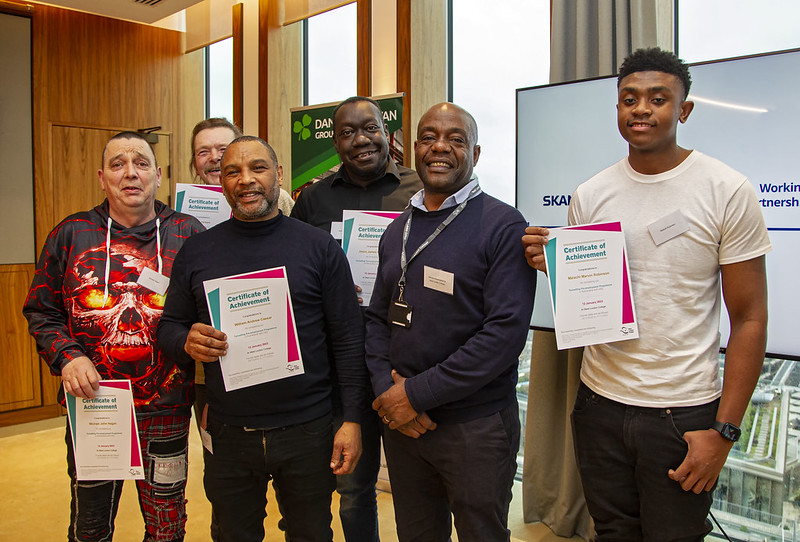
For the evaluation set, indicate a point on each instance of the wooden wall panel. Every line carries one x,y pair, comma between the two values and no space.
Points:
19,362
51,385
192,110
14,8
237,24
91,76
109,72
428,56
77,153
77,159
404,74
421,62
96,72
263,69
364,48
284,82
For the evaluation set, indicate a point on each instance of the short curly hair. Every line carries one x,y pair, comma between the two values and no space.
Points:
657,60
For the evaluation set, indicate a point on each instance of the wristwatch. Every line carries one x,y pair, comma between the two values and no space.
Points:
727,430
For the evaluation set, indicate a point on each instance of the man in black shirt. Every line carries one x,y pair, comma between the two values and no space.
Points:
368,180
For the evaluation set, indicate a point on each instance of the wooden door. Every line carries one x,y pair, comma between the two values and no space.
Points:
77,156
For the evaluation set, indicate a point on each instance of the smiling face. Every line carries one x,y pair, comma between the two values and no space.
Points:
360,138
445,151
650,105
209,144
250,181
130,179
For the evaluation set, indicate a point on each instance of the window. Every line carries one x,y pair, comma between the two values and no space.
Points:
715,29
758,492
219,79
498,47
329,73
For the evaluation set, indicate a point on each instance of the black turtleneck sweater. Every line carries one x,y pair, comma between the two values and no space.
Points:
325,308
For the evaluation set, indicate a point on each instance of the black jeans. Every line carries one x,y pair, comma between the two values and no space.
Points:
296,459
464,468
624,453
358,507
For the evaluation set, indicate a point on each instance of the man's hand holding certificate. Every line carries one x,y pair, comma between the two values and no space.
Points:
361,234
589,282
254,310
104,436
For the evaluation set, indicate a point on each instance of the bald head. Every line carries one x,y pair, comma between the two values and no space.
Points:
451,108
446,151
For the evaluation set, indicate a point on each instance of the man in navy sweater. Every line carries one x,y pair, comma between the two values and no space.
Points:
448,318
279,430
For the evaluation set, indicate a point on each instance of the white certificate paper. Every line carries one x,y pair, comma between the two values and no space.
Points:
255,311
589,283
361,233
205,202
105,439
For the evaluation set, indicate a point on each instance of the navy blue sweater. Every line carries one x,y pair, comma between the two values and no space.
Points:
461,353
325,307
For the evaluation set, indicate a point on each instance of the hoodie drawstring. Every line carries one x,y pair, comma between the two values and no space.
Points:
108,254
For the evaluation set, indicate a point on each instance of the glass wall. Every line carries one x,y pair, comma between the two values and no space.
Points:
715,29
219,79
758,492
330,56
498,47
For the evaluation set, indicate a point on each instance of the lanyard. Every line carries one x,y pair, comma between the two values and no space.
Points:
407,230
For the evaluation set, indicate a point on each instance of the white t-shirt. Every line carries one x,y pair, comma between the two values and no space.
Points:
676,285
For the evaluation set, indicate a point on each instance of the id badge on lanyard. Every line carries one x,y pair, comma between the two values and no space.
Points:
400,311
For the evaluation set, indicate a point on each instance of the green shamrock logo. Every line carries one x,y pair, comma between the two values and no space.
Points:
302,129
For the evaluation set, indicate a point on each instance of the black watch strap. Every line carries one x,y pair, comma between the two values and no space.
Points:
727,430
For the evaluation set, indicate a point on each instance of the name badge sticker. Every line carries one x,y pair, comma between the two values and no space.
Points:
669,227
439,280
153,280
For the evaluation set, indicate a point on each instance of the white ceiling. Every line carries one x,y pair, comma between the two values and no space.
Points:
143,11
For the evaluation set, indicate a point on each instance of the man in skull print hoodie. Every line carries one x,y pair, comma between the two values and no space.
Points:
88,303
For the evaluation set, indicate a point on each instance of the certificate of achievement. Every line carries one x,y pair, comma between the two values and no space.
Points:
255,311
205,202
104,436
361,232
589,283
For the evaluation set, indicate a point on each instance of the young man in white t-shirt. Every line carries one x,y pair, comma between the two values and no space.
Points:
653,422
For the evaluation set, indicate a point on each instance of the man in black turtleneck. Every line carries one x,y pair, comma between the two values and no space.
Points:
279,430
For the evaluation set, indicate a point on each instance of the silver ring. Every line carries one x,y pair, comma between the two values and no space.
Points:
387,420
